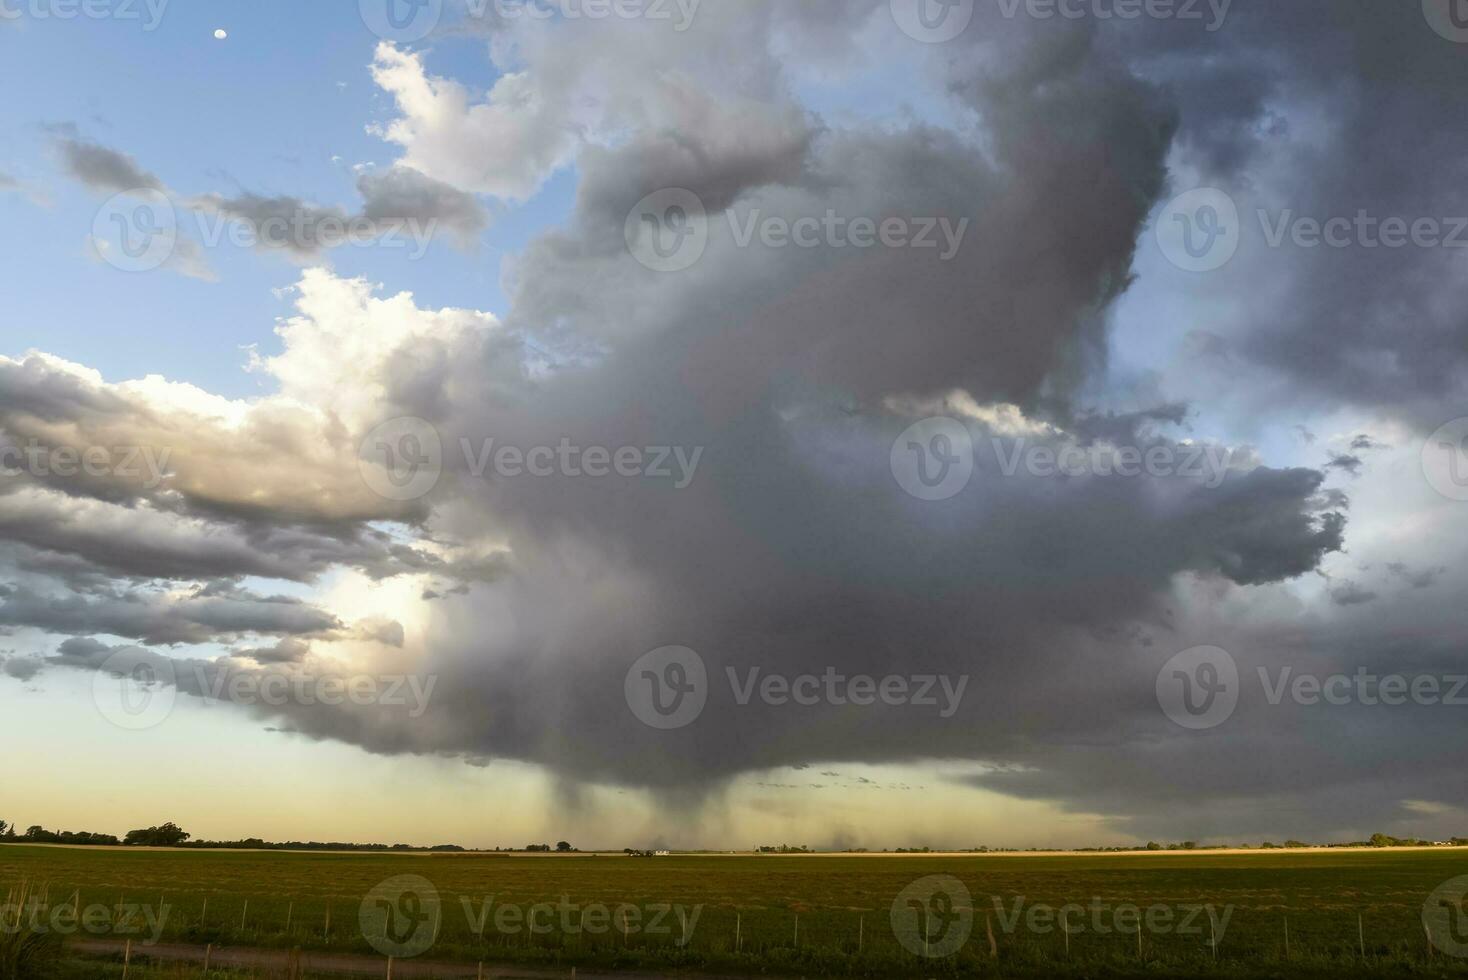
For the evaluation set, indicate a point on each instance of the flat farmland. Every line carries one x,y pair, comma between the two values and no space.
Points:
1321,912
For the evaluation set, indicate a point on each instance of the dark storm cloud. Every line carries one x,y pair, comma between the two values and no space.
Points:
287,651
1273,768
795,370
1351,594
21,668
159,619
1417,578
397,201
794,550
104,169
148,542
1322,109
278,222
402,194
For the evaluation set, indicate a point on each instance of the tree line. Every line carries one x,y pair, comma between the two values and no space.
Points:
172,835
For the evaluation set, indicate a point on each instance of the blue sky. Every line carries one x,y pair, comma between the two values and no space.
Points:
281,106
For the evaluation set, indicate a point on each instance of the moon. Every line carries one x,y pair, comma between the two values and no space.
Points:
221,34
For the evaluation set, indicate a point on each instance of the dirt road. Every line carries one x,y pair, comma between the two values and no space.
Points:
346,964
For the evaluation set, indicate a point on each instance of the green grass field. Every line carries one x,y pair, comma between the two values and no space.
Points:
804,915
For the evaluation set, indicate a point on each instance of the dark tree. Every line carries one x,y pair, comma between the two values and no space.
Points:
168,835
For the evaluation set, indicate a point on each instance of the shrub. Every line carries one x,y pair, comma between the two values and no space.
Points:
25,952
